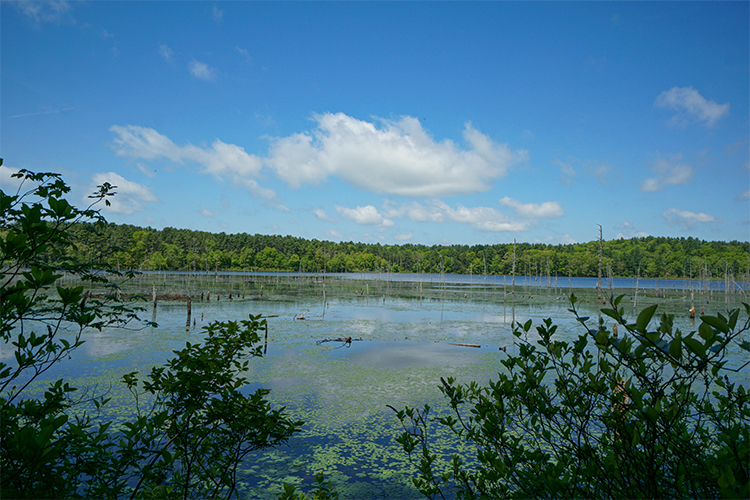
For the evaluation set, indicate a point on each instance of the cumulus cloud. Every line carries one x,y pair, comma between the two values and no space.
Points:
687,220
482,218
546,210
669,172
745,195
628,230
208,213
10,184
322,215
130,196
691,107
398,157
222,160
202,71
565,239
402,237
366,216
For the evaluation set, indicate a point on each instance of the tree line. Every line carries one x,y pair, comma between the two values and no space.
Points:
188,250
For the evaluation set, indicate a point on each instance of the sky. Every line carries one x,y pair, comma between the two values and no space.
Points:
390,122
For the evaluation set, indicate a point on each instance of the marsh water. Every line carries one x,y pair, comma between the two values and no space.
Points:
408,326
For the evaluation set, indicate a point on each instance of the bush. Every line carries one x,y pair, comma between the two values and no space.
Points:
651,413
187,441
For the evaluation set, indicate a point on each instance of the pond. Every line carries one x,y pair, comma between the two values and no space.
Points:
408,330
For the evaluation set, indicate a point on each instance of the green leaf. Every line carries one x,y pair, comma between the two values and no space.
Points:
695,346
644,317
611,313
675,348
706,332
717,322
601,337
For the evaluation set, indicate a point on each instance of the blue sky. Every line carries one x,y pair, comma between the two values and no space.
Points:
391,122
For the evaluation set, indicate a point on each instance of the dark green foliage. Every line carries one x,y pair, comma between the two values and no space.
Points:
183,249
649,413
186,439
322,490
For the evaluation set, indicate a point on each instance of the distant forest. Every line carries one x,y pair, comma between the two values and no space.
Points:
183,249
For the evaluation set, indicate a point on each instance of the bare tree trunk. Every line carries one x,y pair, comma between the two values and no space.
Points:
513,285
599,283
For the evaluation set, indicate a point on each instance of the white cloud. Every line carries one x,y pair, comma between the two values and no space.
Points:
43,11
366,216
130,196
398,157
245,55
202,71
745,195
567,172
565,239
146,170
10,185
332,233
166,53
547,210
279,207
429,212
221,159
146,143
482,218
601,171
402,237
265,120
322,215
669,172
687,220
218,15
691,107
208,213
46,111
627,231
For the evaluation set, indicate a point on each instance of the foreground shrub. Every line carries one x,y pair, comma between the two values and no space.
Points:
185,438
650,413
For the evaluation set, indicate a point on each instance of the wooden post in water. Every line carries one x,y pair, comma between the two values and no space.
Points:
637,280
189,307
153,314
265,339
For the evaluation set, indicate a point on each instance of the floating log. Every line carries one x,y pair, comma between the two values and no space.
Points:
345,340
464,345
